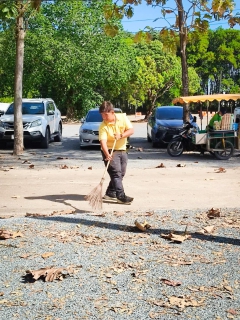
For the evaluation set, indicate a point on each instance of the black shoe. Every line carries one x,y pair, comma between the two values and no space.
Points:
125,200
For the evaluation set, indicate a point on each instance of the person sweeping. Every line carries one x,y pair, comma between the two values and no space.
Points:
113,133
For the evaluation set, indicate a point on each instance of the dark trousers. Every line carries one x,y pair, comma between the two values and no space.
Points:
116,170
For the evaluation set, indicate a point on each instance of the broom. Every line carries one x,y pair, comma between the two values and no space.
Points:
95,196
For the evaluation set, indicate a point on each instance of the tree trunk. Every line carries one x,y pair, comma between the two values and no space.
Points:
18,124
183,55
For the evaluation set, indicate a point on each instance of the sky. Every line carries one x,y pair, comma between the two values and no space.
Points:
145,15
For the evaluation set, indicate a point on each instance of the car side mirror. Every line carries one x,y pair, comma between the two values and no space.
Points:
50,112
82,119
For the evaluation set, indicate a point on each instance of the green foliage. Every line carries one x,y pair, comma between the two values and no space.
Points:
217,62
157,73
69,57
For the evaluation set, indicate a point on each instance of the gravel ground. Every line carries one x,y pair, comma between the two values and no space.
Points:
119,271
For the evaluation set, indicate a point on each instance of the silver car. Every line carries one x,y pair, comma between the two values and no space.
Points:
89,130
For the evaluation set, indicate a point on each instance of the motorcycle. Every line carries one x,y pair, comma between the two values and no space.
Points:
183,141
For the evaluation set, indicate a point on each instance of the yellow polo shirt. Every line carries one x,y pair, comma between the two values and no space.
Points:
107,131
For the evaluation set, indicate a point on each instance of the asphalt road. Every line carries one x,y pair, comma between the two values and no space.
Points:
34,182
69,152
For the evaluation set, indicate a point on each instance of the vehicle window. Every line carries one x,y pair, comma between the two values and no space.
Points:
94,116
28,108
50,107
169,114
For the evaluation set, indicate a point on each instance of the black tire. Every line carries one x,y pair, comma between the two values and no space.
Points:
226,153
175,148
3,144
46,139
58,137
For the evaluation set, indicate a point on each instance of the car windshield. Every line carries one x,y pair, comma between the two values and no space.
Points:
169,114
28,108
94,116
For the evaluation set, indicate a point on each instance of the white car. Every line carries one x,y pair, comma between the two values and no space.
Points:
41,122
89,130
3,107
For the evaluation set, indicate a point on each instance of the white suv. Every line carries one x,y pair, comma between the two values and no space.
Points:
41,122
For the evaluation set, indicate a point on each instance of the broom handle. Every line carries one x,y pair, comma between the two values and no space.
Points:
109,160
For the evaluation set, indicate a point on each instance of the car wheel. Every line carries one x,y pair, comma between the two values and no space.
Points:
46,139
58,137
3,144
154,144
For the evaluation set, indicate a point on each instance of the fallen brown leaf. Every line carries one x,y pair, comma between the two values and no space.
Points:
181,165
176,237
213,213
31,166
171,282
183,302
47,255
50,273
220,170
232,311
142,226
54,213
64,166
209,229
161,166
6,234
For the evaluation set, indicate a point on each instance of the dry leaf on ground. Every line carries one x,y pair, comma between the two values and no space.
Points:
26,161
64,166
50,273
220,170
176,237
161,165
142,226
171,282
47,255
54,213
208,229
213,213
180,165
6,234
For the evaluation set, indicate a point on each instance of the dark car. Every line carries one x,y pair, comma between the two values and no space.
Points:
164,123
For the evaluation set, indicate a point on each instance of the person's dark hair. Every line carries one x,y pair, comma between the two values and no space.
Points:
106,106
222,110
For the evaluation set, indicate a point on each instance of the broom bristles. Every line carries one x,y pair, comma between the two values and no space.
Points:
95,197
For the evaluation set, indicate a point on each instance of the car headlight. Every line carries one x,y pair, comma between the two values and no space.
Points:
2,124
87,131
36,123
162,128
